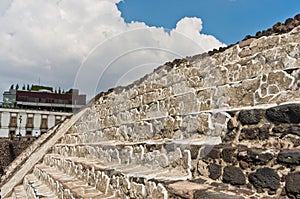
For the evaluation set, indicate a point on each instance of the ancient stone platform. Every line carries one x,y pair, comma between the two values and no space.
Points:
224,125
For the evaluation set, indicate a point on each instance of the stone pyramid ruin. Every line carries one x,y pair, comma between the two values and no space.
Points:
220,125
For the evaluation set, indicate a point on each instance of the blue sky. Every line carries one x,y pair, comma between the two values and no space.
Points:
227,20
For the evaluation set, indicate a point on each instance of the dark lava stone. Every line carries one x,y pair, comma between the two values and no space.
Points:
249,134
205,194
292,184
265,178
287,129
254,133
250,116
284,114
289,157
233,175
255,156
297,17
214,171
227,154
210,151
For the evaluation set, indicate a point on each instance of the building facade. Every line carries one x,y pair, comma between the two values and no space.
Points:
24,122
44,100
33,112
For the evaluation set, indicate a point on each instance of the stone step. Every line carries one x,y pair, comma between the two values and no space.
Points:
37,189
151,154
19,192
66,185
136,180
71,166
172,126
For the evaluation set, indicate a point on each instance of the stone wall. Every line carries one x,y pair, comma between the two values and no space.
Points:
191,98
246,98
10,149
260,151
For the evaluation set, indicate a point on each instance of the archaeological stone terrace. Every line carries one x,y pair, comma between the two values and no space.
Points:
221,125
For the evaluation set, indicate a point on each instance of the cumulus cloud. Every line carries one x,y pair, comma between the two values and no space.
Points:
87,44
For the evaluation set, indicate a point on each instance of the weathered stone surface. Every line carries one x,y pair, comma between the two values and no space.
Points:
289,157
210,151
214,171
264,132
249,134
284,114
232,124
233,175
194,151
265,178
205,194
250,116
287,129
227,154
247,42
230,136
255,156
292,184
10,149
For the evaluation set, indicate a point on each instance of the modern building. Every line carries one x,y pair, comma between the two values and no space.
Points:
40,98
26,122
34,111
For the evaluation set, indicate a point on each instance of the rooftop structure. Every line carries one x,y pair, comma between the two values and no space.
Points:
43,98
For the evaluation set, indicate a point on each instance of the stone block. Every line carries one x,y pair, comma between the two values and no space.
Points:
292,184
287,129
255,133
248,117
142,130
233,175
284,114
188,104
265,178
228,154
255,156
245,43
215,171
289,157
281,79
181,88
206,194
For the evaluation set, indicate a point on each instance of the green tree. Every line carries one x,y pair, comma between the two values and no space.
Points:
12,86
17,86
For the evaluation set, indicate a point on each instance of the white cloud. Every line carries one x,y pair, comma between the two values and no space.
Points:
86,43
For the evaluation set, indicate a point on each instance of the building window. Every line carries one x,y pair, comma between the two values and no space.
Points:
13,120
29,123
44,122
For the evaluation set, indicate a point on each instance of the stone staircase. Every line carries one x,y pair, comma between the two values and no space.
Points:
115,169
219,126
108,169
